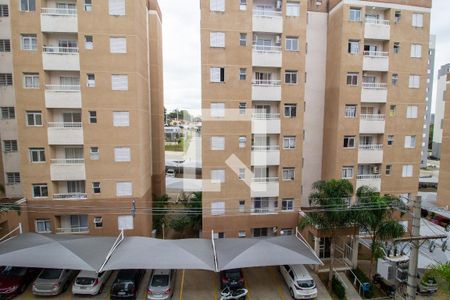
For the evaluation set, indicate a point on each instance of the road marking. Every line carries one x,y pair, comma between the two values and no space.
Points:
272,272
215,286
181,286
249,296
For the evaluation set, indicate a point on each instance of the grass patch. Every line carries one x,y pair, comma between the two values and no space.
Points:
182,145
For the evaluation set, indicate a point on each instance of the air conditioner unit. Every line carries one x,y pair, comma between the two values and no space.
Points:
375,170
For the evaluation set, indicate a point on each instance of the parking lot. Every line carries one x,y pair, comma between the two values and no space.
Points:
262,283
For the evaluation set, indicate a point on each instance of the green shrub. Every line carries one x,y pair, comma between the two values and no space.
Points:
338,288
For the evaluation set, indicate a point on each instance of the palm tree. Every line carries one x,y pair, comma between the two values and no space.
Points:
159,210
332,196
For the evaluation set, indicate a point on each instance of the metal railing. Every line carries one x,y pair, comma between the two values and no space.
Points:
266,13
266,148
377,21
264,82
62,88
371,147
67,161
60,50
266,116
381,54
72,229
265,179
267,49
374,85
368,176
372,117
65,124
54,11
70,196
263,210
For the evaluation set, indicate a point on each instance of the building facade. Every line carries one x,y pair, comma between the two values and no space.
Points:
439,114
443,193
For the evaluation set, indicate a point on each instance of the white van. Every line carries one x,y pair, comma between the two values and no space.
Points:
301,285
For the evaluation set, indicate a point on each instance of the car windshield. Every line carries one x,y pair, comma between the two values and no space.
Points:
85,281
234,275
14,271
50,274
160,280
305,284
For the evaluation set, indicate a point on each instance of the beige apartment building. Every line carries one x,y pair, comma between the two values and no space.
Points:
443,195
82,111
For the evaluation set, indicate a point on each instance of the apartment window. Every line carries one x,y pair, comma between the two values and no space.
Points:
411,112
5,46
355,14
96,188
217,143
218,175
290,77
287,204
28,42
243,74
217,110
242,141
34,118
90,80
12,178
40,190
119,82
43,226
241,206
27,5
347,172
217,74
98,222
288,174
31,80
293,9
88,5
117,7
243,5
118,44
9,146
396,47
388,170
4,11
243,39
417,20
350,111
8,113
242,234
289,142
122,154
352,79
217,208
353,46
290,110
292,43
260,232
241,173
392,110
416,50
124,188
121,119
349,141
217,39
93,117
414,81
390,140
94,153
394,79
397,16
407,171
88,42
6,79
242,108
217,5
410,141
37,155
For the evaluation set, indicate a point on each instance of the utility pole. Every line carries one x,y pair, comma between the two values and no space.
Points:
414,253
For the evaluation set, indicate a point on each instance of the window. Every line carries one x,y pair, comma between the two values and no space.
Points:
260,232
217,143
288,174
98,222
117,7
292,43
40,190
410,141
217,110
407,171
290,110
8,113
347,172
353,46
217,74
5,46
287,204
350,111
414,81
88,42
4,11
31,80
217,39
242,234
217,208
37,155
388,170
354,14
43,226
416,50
27,5
397,16
417,20
96,188
94,153
218,176
394,79
242,74
121,119
90,80
241,173
241,206
119,82
12,178
290,77
411,112
289,142
392,110
28,42
242,141
6,79
352,79
88,5
396,47
124,188
217,5
242,108
390,140
243,5
292,9
93,117
118,44
349,141
34,118
122,154
9,146
243,39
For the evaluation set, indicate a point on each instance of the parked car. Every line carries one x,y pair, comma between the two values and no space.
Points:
126,284
170,173
52,282
233,278
90,283
15,280
161,284
301,285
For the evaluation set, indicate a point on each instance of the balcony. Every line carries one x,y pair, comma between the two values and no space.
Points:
372,123
266,123
371,180
377,29
266,90
62,96
265,187
267,21
72,224
264,206
266,56
70,196
60,58
59,20
67,169
374,92
376,61
266,155
65,133
370,154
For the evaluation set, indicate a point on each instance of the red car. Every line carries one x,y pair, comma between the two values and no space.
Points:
15,280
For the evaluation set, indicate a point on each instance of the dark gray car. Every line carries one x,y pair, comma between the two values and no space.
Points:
52,282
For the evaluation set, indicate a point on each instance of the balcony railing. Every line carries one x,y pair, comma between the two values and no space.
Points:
72,229
371,147
262,82
267,49
65,124
70,196
372,117
59,11
266,13
376,54
266,148
266,116
263,210
368,176
374,85
265,179
67,161
65,88
377,21
60,50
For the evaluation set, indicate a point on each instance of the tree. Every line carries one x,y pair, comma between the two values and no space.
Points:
159,210
377,221
179,223
332,196
442,273
195,210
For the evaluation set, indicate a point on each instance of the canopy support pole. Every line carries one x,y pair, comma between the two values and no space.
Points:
4,238
300,237
214,251
111,251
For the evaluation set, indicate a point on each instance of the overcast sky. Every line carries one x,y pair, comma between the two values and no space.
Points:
181,44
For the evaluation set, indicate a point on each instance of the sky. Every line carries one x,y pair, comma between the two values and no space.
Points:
181,50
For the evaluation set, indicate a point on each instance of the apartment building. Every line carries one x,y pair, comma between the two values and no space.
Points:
439,114
443,193
81,100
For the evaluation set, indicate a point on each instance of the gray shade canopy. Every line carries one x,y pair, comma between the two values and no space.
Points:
275,251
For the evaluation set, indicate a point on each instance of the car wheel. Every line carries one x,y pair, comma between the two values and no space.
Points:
292,293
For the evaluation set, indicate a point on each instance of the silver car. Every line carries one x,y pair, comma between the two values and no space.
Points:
52,282
161,284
